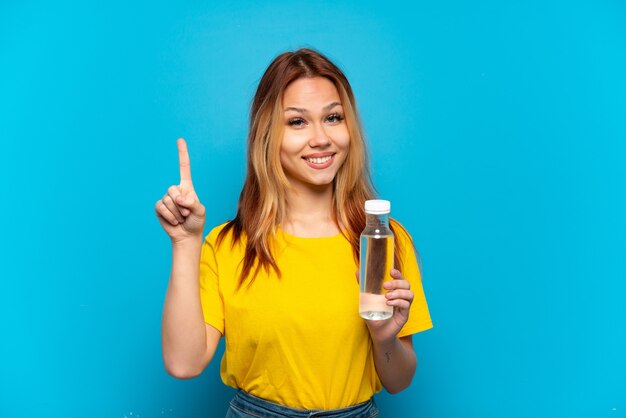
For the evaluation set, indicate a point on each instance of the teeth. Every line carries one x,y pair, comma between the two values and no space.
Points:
319,160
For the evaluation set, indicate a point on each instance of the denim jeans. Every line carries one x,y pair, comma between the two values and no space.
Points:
245,405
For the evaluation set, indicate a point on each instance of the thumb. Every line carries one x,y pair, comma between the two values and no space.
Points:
191,202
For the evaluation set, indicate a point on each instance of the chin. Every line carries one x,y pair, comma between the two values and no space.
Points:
316,183
323,181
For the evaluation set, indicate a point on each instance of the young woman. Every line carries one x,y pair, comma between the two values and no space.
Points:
278,281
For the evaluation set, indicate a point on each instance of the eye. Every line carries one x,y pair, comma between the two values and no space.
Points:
296,122
334,118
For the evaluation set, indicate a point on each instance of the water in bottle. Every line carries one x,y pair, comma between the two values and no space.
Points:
376,261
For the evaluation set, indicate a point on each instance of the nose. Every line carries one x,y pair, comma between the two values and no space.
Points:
319,137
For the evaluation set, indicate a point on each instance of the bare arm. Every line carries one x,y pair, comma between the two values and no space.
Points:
394,357
188,343
395,363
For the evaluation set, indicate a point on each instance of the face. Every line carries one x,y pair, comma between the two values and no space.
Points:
316,139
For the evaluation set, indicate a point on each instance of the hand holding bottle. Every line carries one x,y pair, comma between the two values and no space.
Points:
180,212
399,296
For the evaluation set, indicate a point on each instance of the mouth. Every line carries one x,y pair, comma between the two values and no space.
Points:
319,161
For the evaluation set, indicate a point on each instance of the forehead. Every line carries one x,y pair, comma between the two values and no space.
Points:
310,91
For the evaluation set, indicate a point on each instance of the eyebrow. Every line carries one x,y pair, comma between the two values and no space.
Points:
302,110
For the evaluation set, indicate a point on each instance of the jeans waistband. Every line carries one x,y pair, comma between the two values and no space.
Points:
252,406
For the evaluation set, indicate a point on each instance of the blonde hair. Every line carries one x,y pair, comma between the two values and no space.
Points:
262,200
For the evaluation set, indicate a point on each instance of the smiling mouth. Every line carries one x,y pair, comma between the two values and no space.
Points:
318,160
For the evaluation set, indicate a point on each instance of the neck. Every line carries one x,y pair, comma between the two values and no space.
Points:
310,213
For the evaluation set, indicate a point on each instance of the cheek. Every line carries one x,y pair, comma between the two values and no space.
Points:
293,142
289,152
284,158
285,146
343,139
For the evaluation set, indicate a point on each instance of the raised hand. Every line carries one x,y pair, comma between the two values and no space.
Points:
180,212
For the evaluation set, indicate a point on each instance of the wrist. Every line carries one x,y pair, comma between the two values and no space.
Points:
192,241
386,344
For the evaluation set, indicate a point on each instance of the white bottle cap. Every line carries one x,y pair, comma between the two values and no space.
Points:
377,207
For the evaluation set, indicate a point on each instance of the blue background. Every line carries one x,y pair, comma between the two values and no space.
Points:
497,129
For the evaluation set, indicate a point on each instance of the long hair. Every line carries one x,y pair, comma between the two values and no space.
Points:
262,202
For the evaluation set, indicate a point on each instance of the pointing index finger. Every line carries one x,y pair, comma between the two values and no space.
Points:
183,162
